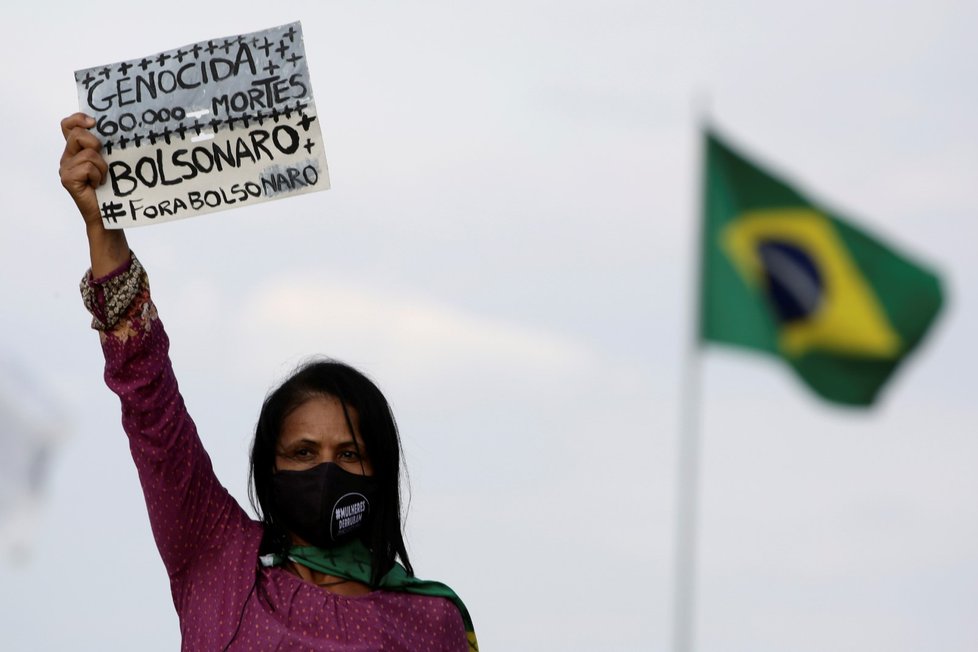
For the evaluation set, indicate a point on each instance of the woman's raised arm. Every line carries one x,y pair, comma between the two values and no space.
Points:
193,517
82,170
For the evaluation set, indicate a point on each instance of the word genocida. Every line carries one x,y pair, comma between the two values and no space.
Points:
138,85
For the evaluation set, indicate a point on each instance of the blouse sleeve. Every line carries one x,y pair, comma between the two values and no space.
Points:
191,514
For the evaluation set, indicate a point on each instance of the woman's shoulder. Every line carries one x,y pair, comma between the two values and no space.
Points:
425,617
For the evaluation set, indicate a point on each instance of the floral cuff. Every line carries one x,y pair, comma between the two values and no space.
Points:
109,298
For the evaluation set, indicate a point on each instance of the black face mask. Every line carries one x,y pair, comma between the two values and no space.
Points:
325,505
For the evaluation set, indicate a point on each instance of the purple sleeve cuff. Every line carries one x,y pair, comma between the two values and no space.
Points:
110,297
118,271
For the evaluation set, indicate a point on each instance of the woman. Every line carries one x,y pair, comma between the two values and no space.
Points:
318,572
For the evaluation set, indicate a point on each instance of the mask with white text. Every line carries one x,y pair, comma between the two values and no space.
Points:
325,505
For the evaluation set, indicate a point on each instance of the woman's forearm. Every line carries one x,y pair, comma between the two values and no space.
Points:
108,250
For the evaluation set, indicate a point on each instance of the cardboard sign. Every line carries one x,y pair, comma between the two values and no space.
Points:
214,125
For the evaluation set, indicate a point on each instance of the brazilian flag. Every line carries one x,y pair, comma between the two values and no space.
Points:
783,275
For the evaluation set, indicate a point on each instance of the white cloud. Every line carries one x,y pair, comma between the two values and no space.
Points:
425,341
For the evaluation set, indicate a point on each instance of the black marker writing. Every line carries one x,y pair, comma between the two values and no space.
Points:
264,94
185,164
192,201
149,84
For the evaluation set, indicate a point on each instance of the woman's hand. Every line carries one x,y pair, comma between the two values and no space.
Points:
82,170
82,167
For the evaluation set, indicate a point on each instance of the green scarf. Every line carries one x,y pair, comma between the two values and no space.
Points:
352,562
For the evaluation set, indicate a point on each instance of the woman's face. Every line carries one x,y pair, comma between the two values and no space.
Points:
316,432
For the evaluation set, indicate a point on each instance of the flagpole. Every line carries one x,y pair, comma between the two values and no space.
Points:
688,459
687,503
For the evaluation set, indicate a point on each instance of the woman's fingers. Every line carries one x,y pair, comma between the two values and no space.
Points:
95,175
89,155
80,177
94,166
82,164
82,167
76,120
78,139
83,158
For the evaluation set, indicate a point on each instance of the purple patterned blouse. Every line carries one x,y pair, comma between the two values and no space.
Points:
225,600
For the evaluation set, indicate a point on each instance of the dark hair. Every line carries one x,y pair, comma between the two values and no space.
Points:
379,432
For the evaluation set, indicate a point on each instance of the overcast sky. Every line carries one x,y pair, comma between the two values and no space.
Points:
506,249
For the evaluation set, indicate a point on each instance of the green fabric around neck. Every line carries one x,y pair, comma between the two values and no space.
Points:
351,561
